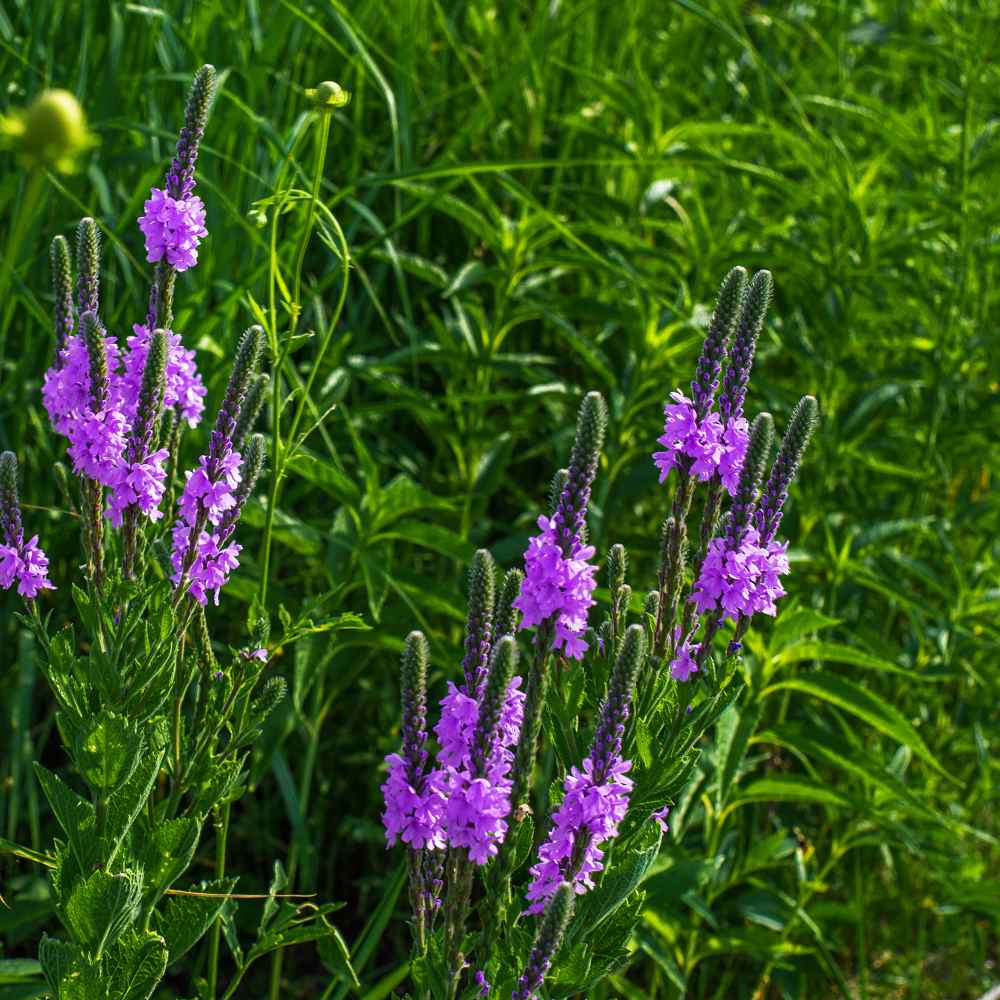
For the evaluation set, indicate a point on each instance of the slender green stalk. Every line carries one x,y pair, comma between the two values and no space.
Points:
221,839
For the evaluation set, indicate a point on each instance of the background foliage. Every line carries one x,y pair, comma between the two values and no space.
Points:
540,199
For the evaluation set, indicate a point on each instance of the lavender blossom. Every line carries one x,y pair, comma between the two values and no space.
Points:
184,389
547,941
596,794
559,581
20,561
201,559
180,176
414,805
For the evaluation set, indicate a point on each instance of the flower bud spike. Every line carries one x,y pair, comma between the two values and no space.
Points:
479,623
758,452
151,393
501,670
571,510
744,344
413,694
88,266
62,290
713,351
97,358
556,487
11,531
180,177
551,931
610,729
250,410
793,445
506,613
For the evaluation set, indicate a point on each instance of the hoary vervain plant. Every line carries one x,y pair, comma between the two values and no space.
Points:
156,720
671,663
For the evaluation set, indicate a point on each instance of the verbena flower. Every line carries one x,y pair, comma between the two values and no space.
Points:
559,584
185,389
214,493
596,794
660,815
414,798
173,228
741,577
559,581
66,385
23,563
140,484
476,757
684,663
593,805
701,447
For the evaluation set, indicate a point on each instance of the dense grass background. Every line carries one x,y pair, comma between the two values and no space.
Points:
540,199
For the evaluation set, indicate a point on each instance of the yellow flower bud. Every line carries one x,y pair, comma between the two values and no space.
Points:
328,95
51,132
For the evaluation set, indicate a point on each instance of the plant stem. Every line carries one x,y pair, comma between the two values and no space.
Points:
222,835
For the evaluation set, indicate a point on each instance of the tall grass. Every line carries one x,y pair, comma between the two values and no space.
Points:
538,199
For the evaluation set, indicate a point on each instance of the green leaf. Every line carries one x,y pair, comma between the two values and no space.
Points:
186,919
107,751
166,851
68,970
797,622
137,963
19,970
125,804
336,957
430,536
731,747
75,816
101,907
788,788
836,652
863,703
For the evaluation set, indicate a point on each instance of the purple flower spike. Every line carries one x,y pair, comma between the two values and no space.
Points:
414,800
23,563
596,795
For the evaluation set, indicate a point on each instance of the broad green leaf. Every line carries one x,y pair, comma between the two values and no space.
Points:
107,751
863,703
102,906
835,652
75,816
797,622
137,963
788,788
166,851
185,919
19,970
125,804
68,970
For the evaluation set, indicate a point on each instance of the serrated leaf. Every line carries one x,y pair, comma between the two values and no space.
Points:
138,962
75,816
166,851
186,919
107,751
125,804
102,906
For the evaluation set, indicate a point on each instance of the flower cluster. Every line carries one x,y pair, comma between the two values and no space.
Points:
703,447
592,807
477,797
200,555
185,389
21,562
66,385
741,577
173,228
558,585
414,811
25,563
